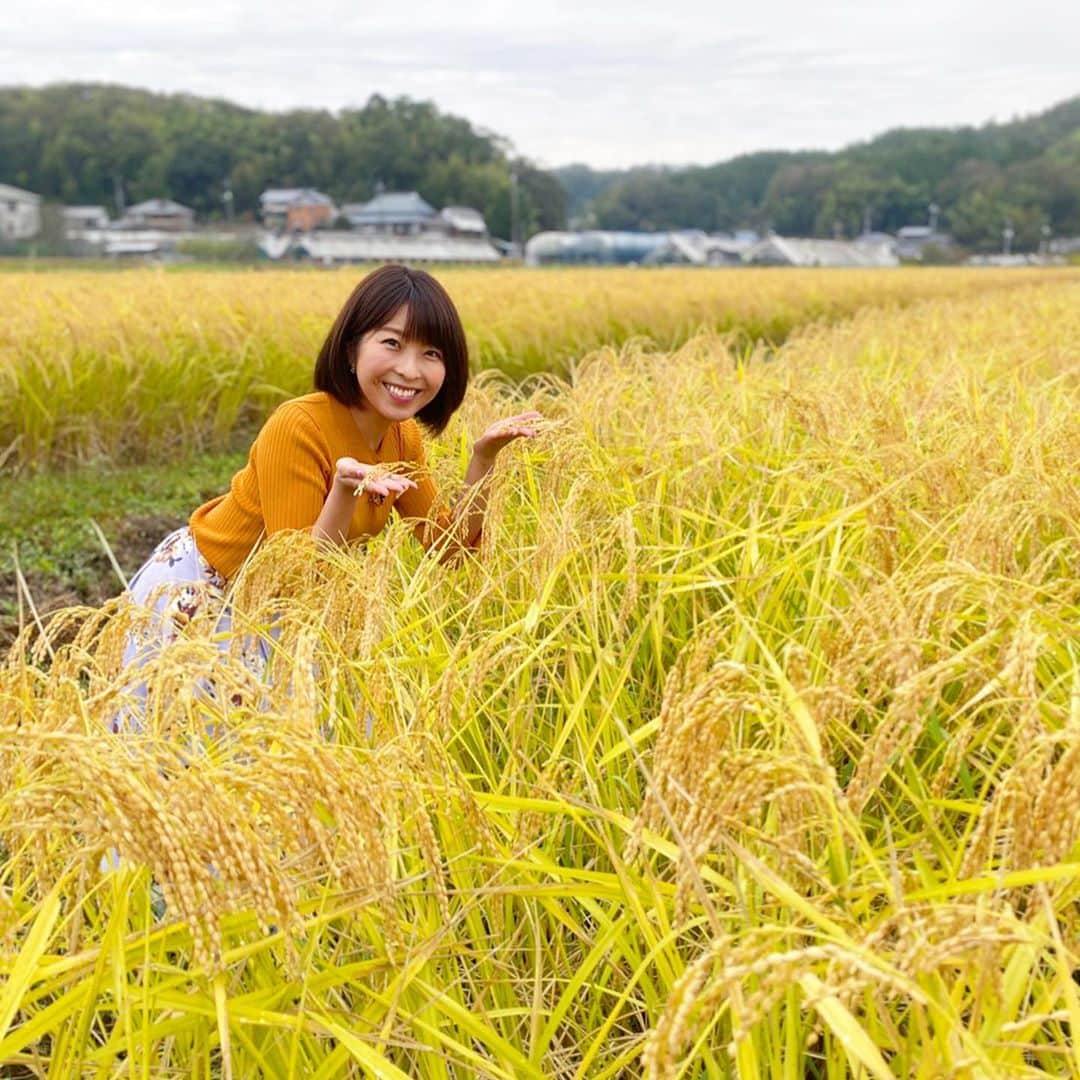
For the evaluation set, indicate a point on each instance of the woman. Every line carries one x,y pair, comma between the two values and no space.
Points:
337,461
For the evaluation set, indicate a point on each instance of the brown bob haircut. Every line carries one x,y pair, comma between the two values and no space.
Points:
432,320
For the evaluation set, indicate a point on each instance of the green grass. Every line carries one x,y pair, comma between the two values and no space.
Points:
47,521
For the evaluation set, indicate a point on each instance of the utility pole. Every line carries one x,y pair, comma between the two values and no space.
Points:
1007,235
866,220
118,194
514,210
934,211
227,199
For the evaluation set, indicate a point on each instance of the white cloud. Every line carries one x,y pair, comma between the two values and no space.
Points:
604,82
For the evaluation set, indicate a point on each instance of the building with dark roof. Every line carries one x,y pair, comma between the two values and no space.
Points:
296,209
158,214
401,213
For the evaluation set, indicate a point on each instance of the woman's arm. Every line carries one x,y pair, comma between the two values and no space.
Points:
351,478
467,516
460,527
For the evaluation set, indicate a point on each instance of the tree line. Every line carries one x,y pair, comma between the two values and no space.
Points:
98,144
92,143
1024,175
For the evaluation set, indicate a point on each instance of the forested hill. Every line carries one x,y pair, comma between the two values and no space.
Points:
1026,171
77,143
81,143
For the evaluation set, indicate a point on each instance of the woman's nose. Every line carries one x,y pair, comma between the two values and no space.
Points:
409,362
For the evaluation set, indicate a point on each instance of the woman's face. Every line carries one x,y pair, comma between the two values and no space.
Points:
397,378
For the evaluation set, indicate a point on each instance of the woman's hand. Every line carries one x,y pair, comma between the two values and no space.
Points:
355,477
503,432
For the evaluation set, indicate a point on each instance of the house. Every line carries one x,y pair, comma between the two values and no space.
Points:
462,221
799,251
159,214
399,213
1064,245
296,209
912,240
20,213
79,218
394,226
331,247
876,239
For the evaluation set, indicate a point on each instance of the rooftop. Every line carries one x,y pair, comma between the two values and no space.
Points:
463,219
159,208
390,207
10,193
341,246
285,197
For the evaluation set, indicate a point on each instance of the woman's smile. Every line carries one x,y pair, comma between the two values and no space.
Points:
401,393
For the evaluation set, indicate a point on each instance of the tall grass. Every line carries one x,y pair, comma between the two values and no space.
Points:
138,365
749,746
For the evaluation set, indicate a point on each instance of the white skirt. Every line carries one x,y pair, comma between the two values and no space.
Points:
175,583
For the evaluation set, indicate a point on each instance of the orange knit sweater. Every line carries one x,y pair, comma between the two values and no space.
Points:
290,471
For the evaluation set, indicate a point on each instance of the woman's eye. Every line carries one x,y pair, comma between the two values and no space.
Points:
390,341
434,354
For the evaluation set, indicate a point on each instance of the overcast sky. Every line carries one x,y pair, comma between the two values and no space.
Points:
609,82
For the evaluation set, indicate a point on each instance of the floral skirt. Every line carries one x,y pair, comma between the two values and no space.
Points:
176,583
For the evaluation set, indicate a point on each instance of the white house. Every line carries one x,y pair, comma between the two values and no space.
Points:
78,218
912,240
463,221
20,213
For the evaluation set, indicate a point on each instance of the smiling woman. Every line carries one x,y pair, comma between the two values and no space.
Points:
401,326
394,359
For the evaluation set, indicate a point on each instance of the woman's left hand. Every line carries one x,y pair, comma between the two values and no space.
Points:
503,432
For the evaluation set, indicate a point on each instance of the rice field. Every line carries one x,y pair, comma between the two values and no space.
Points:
748,746
142,365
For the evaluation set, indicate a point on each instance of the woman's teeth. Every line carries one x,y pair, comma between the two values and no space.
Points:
401,393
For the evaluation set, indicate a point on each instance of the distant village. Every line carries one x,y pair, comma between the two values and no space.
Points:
305,225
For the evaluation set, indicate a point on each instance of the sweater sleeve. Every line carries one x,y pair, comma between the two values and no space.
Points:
293,469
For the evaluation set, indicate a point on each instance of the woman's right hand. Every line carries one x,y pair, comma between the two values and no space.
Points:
354,476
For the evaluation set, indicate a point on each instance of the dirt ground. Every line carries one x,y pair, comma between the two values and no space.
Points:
95,582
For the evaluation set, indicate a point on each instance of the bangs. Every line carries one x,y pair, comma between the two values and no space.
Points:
431,320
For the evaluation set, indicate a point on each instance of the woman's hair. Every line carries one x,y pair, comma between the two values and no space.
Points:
433,320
